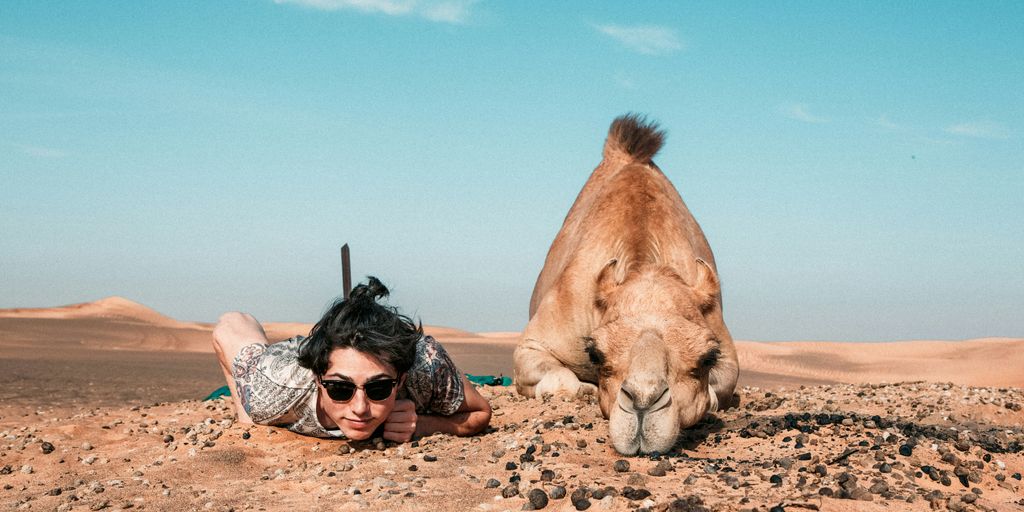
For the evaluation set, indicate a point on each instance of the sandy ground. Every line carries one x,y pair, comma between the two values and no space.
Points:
99,409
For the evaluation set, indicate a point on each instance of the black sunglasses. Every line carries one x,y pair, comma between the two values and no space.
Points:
343,390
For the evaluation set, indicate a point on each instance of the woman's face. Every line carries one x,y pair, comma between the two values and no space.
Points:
359,416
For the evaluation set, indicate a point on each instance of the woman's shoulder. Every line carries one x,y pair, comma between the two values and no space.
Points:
434,383
280,364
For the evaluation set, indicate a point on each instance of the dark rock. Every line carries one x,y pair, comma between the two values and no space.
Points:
429,458
510,466
687,504
776,480
492,483
656,471
246,435
826,491
635,494
885,468
581,504
820,470
777,508
510,490
47,448
906,450
878,488
621,466
414,467
581,443
557,492
547,475
538,499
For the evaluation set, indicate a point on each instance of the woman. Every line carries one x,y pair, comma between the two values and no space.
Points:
364,369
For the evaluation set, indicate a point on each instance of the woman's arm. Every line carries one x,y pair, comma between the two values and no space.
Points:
470,418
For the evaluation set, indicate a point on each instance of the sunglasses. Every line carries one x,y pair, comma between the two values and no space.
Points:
343,390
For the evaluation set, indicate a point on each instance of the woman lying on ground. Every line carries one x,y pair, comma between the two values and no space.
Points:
365,369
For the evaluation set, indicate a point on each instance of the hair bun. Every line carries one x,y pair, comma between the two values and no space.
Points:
369,292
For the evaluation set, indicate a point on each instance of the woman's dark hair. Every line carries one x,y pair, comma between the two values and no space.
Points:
360,322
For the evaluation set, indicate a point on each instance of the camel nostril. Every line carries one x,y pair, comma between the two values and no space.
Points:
642,399
625,397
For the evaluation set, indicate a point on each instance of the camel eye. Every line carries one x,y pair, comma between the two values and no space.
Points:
707,361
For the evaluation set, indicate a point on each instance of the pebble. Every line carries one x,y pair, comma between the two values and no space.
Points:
46,447
429,458
538,499
581,504
547,475
621,466
510,490
492,483
906,450
557,492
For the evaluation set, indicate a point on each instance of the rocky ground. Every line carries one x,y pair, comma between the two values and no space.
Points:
910,446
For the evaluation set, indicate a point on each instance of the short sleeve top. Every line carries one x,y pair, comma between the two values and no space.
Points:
275,390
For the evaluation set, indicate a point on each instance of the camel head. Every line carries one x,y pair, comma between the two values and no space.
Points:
654,351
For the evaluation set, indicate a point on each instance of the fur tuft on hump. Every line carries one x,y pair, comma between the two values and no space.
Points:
634,137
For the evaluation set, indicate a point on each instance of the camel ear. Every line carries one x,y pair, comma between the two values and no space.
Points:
707,287
612,275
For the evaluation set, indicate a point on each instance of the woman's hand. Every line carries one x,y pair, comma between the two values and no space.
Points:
401,423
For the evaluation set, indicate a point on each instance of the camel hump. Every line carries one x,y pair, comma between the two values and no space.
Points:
634,137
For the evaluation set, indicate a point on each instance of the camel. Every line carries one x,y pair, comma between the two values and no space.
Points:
628,304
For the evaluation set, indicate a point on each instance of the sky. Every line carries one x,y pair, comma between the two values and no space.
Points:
857,167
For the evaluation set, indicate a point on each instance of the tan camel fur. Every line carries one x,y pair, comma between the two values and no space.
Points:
628,303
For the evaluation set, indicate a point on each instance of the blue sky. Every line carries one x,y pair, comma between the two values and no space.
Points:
858,169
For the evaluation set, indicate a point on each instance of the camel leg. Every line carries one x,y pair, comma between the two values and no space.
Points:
539,373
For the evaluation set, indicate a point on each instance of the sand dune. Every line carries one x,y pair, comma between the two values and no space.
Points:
110,308
979,362
116,323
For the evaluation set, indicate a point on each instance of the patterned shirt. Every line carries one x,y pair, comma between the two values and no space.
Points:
275,390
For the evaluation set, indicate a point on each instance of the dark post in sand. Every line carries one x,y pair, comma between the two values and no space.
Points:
346,271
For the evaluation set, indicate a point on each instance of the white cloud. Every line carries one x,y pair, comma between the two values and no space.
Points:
445,11
885,122
979,130
40,151
645,39
800,112
625,81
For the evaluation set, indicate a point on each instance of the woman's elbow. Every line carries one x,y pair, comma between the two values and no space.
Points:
485,416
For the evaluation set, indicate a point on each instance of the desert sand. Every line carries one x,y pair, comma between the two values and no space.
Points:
100,409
